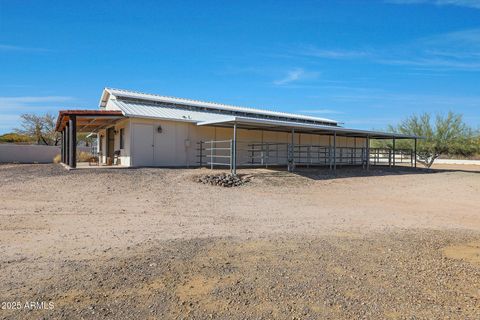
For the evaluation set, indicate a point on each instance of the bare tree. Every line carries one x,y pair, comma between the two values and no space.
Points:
40,128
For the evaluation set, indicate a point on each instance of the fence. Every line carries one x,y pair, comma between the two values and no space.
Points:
215,153
20,153
263,154
386,156
258,154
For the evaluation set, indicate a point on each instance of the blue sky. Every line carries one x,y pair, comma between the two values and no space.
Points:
365,63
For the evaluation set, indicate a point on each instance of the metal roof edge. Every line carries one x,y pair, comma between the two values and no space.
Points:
309,126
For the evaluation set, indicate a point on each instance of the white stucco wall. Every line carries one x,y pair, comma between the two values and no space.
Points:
27,153
15,153
125,153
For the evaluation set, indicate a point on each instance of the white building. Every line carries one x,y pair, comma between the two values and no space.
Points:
137,129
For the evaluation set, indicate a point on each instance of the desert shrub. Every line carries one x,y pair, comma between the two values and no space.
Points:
57,158
15,138
83,156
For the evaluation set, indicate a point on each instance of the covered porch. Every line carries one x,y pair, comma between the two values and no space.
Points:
71,122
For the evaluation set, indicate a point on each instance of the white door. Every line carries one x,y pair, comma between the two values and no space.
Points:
165,145
142,145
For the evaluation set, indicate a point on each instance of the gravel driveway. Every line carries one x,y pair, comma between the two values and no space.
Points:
155,244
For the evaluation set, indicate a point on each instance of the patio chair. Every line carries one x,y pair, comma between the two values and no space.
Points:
94,160
116,157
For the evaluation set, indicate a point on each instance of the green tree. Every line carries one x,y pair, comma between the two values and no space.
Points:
40,128
440,135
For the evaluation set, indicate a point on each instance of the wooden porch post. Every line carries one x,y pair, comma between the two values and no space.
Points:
72,156
62,149
67,144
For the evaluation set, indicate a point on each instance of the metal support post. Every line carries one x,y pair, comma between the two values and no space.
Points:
335,151
368,152
330,159
309,160
363,158
291,156
201,153
394,154
415,153
267,153
234,150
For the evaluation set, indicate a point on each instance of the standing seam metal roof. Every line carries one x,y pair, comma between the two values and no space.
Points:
119,93
133,109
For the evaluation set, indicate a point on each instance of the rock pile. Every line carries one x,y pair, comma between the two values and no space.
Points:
223,179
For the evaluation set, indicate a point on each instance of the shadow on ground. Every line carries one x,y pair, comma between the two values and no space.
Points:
324,173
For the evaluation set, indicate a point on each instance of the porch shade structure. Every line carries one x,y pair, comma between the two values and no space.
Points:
248,123
71,122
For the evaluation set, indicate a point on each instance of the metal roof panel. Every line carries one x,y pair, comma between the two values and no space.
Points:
140,110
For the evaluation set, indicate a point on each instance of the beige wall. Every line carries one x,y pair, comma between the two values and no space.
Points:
178,142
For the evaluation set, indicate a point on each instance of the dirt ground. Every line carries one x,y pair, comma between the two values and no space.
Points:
146,243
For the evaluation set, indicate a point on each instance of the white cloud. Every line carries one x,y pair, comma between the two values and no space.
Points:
458,50
376,97
7,103
12,107
459,3
294,76
8,121
435,63
8,47
312,51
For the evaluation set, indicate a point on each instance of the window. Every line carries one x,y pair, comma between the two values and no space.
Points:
100,145
122,138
